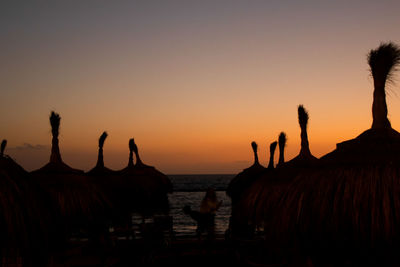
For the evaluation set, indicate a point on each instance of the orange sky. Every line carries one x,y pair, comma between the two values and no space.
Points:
193,84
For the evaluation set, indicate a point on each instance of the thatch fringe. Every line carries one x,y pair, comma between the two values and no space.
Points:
27,219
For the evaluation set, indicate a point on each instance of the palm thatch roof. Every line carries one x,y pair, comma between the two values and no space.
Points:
26,222
245,178
113,185
260,200
239,225
150,186
78,200
347,208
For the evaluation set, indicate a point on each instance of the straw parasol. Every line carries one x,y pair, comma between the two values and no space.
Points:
261,200
348,208
26,224
245,178
249,198
113,185
150,186
239,225
79,201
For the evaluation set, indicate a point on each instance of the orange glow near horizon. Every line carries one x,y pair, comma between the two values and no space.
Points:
194,85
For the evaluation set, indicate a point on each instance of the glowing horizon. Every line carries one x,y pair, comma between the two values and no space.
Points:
194,84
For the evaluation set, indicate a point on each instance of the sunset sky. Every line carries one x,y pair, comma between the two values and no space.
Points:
194,82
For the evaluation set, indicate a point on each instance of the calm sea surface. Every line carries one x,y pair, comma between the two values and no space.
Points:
190,190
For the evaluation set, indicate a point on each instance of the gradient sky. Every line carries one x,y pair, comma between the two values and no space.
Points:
193,82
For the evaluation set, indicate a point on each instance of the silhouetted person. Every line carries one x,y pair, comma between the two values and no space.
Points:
210,203
205,221
205,218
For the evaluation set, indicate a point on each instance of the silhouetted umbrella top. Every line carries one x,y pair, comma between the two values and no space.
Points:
272,148
100,169
152,173
77,198
305,158
245,178
282,144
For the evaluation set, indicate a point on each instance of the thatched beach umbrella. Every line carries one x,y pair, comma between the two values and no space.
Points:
78,200
150,186
26,224
113,185
245,178
261,200
349,207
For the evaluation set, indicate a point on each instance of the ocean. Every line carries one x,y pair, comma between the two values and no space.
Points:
190,190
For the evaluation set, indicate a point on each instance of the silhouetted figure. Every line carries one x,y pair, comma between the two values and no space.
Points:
205,221
205,218
210,203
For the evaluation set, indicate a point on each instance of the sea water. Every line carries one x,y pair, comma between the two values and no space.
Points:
190,190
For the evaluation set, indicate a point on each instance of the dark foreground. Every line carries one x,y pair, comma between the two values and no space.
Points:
187,251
